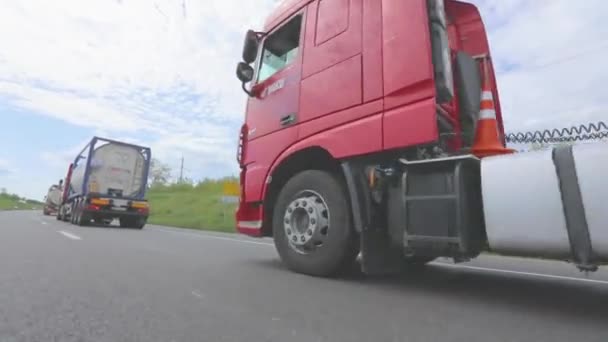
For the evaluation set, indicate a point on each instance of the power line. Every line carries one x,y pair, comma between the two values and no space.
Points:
539,100
599,46
160,11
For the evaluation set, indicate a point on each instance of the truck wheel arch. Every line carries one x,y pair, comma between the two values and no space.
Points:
312,158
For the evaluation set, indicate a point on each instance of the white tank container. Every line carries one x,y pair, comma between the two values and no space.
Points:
115,170
53,197
591,169
525,210
523,206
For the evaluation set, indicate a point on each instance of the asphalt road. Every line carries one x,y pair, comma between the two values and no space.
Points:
65,283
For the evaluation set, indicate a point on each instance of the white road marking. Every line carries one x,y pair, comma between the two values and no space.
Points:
43,222
196,294
207,236
476,268
530,274
69,235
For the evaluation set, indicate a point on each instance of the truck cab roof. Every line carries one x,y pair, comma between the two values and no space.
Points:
282,11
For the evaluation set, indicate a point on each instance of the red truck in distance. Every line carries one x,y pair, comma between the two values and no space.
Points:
358,139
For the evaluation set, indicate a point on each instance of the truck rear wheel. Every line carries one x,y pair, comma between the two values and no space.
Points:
133,222
141,223
82,219
416,262
78,217
62,211
312,225
73,214
65,216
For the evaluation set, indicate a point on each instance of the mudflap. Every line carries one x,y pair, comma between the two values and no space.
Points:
378,255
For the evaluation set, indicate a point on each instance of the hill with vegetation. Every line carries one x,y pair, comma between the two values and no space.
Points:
195,206
14,202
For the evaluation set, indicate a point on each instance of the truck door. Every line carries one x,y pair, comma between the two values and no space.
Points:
333,68
277,88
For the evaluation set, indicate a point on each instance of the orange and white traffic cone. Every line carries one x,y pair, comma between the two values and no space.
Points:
487,142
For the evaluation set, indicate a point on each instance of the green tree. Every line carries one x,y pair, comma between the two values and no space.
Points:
160,173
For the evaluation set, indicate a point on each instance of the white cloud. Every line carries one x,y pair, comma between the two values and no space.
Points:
17,180
551,58
6,167
60,159
131,66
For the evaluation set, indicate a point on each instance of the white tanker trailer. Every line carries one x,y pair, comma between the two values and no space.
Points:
106,181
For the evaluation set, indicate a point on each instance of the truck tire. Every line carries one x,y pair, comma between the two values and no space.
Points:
416,262
78,216
73,214
133,222
82,219
312,225
125,222
141,223
64,216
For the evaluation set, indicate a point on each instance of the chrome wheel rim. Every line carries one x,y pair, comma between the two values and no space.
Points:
306,222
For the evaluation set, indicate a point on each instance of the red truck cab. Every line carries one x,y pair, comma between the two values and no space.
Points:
334,83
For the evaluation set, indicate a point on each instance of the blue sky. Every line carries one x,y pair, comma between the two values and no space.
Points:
150,72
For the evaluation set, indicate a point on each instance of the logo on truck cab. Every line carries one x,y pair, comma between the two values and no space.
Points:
274,87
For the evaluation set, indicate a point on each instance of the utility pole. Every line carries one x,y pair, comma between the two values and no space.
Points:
181,171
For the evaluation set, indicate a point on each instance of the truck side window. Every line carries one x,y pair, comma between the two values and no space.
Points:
280,49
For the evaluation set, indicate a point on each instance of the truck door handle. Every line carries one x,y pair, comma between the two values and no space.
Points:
288,120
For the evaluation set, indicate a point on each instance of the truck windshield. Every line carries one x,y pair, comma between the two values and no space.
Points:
280,48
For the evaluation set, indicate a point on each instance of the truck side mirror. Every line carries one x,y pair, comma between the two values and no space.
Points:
250,48
244,72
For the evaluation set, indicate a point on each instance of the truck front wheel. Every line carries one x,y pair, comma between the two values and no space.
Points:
312,225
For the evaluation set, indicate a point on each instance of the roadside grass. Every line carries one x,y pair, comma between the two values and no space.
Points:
192,206
14,202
